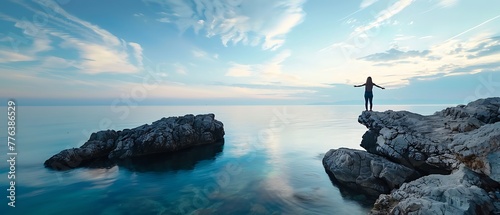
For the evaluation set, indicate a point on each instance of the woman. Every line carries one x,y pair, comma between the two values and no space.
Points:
368,91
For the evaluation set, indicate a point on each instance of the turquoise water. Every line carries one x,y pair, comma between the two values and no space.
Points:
270,162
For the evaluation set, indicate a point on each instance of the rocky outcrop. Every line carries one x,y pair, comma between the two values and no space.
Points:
479,150
371,173
437,143
165,135
416,141
456,151
463,192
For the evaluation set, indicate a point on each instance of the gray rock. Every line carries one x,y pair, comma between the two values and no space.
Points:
366,172
430,144
462,192
457,150
480,149
165,135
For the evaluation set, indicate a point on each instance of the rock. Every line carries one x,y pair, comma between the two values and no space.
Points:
410,139
462,192
456,151
165,135
480,150
473,115
371,173
430,144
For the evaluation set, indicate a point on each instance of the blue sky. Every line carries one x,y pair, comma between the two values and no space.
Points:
248,51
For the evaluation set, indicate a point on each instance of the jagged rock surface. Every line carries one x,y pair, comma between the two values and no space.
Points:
462,192
165,135
456,150
480,150
371,173
430,143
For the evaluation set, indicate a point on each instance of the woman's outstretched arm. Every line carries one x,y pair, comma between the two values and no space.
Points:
378,86
360,85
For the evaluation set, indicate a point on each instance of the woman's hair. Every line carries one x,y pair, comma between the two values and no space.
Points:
369,80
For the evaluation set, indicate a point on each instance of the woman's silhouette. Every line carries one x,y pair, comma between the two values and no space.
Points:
368,91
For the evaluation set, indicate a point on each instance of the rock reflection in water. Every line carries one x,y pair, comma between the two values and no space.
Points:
352,194
180,160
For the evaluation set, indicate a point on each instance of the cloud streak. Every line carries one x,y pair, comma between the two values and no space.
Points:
395,68
470,29
99,51
394,54
249,22
383,16
366,3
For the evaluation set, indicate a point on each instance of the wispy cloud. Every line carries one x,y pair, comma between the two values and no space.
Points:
9,56
394,54
447,3
470,29
255,22
269,73
199,53
395,68
57,62
180,69
425,37
488,47
383,16
137,53
98,50
361,32
366,3
264,70
164,20
401,37
39,41
239,70
441,4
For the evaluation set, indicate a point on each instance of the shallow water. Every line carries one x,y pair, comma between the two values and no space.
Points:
269,163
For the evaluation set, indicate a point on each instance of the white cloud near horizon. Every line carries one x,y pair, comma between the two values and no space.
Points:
239,70
271,72
249,22
273,66
396,68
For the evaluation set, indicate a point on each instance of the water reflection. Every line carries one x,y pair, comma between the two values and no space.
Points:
181,160
185,159
100,178
352,194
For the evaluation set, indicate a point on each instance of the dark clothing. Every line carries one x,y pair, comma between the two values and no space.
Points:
368,95
369,86
368,98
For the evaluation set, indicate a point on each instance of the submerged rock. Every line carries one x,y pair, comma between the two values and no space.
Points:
370,173
165,135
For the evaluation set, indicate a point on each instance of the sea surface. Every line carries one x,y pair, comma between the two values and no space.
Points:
269,163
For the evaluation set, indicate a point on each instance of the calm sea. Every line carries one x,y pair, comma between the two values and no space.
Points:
270,162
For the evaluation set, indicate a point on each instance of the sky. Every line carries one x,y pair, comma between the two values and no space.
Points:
248,51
